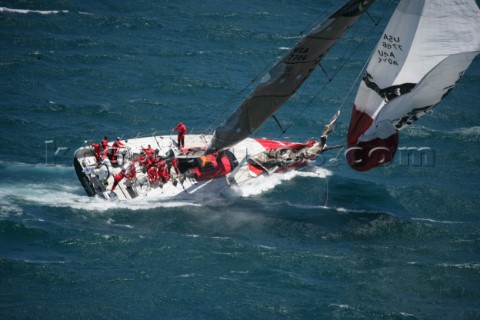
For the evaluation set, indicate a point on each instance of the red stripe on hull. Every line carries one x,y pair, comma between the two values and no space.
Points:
274,145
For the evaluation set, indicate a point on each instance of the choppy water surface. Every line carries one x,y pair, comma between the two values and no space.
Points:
401,242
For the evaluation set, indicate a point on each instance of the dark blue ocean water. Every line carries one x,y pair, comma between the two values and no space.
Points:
400,242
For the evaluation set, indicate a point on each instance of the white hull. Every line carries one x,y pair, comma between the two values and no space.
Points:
182,186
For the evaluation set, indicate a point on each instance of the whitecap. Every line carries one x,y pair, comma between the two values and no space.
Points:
266,247
436,221
472,266
263,184
26,11
186,275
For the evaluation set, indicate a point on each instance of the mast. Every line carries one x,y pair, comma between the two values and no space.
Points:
286,76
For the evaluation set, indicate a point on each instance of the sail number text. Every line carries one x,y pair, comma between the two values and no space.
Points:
390,45
298,55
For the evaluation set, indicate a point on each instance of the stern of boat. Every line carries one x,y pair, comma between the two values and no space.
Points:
79,163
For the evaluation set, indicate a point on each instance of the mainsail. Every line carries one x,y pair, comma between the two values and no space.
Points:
283,80
423,52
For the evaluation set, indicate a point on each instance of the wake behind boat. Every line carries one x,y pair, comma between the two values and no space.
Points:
229,156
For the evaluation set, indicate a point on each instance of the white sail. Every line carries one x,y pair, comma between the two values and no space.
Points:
425,49
283,80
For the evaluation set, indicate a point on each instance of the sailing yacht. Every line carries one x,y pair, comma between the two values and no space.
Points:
213,163
424,51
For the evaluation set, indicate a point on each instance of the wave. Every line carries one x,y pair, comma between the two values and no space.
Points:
471,132
67,196
465,134
267,183
471,266
26,11
436,221
54,186
341,210
57,187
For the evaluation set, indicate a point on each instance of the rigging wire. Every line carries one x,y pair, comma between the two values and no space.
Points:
218,115
354,84
345,58
299,111
326,192
225,106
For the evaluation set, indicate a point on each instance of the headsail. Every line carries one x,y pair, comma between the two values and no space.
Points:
283,80
425,49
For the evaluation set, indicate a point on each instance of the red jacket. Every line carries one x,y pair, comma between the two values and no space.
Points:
163,172
132,173
152,161
119,176
148,151
181,128
153,174
105,143
98,150
118,144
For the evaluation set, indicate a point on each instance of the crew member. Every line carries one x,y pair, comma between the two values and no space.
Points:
148,151
152,173
152,160
103,170
117,178
115,146
172,162
132,172
142,161
182,130
105,142
163,172
98,151
105,147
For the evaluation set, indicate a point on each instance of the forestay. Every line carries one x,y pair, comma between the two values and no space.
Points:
283,80
425,49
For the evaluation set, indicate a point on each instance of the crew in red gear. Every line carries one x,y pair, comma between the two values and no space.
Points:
117,178
132,172
148,151
115,146
142,160
182,130
163,172
98,151
105,142
153,174
152,161
105,147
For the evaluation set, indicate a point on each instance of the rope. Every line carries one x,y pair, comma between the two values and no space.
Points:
218,115
354,84
346,58
326,192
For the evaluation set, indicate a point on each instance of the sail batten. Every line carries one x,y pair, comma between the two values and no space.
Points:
284,79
